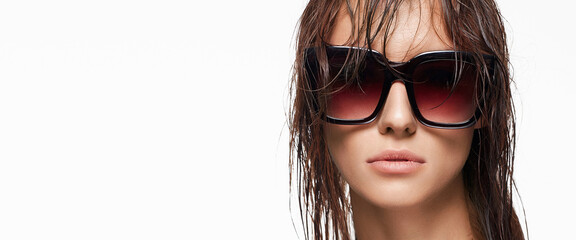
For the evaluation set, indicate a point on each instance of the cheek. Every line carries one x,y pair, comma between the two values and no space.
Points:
450,147
348,148
447,151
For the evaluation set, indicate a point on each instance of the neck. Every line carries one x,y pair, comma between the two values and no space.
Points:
443,217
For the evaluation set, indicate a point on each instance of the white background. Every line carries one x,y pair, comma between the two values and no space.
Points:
166,119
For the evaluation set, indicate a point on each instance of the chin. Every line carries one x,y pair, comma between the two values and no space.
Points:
391,196
404,193
390,199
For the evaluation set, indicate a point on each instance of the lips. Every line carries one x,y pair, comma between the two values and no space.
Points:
396,162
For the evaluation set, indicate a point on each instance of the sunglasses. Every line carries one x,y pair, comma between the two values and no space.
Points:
441,85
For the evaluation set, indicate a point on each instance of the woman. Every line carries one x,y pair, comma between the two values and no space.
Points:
402,124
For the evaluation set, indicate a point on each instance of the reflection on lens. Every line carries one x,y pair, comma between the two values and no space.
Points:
437,98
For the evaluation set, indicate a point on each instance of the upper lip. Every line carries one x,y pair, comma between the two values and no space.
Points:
389,155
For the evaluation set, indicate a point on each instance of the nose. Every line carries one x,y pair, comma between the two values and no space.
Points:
396,117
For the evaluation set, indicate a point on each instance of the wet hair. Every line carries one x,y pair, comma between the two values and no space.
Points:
472,26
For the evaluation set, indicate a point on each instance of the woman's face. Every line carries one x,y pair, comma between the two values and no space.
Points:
396,161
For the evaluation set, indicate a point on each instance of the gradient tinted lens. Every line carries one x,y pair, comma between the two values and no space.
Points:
442,98
356,99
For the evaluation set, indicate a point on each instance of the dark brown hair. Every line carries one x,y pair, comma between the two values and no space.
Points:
473,26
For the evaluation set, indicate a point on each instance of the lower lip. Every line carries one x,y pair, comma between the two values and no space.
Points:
396,167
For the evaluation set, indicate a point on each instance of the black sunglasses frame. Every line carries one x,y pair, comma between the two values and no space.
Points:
403,73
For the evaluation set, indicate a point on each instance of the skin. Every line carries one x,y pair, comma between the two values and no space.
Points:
430,203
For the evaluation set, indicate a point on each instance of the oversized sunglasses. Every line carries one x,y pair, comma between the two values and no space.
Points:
441,85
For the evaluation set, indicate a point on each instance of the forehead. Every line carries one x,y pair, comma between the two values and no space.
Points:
417,27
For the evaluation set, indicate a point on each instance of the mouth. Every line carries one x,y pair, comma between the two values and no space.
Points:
396,162
396,156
